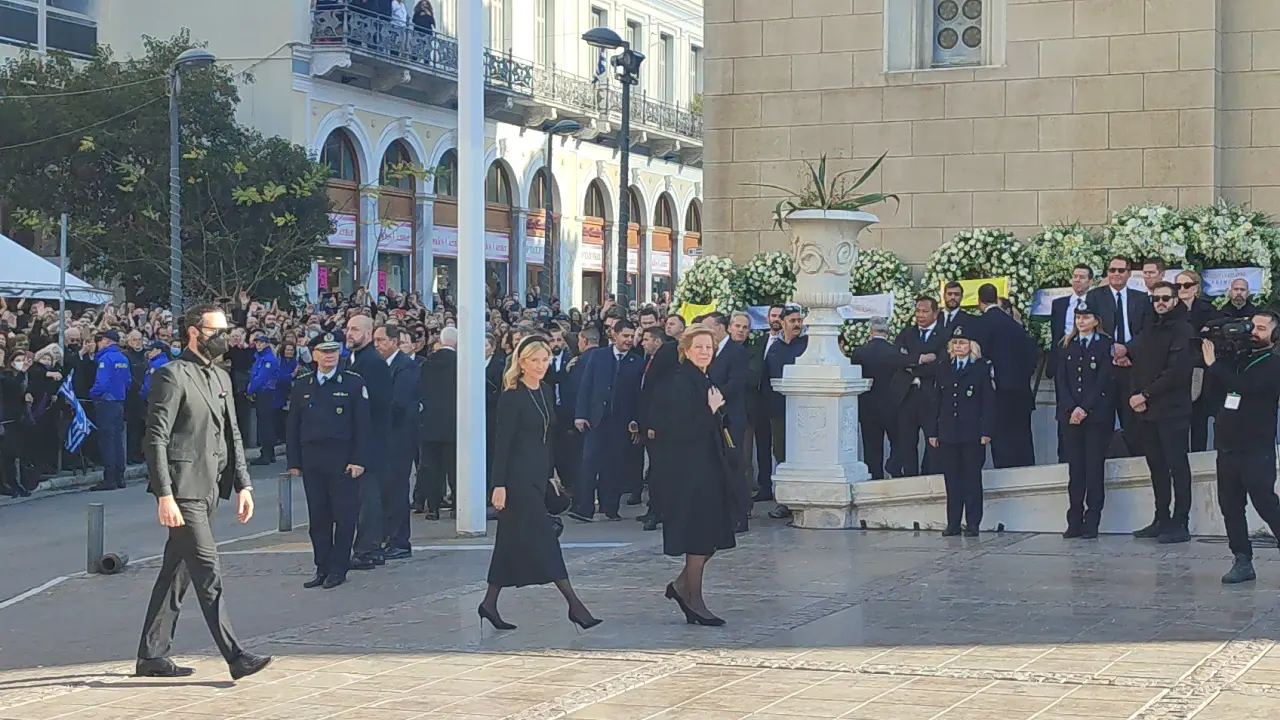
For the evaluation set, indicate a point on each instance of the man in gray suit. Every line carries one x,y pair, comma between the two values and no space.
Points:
194,456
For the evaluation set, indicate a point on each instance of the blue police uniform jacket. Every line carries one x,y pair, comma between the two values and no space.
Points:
284,380
1083,380
966,402
330,422
156,363
111,382
264,373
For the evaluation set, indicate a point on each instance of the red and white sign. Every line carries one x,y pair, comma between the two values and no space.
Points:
592,257
344,230
396,238
535,252
660,262
593,231
322,278
633,260
444,243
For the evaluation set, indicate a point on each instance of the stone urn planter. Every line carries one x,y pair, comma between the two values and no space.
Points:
823,457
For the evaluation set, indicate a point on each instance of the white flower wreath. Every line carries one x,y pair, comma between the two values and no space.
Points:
768,279
984,253
712,279
1225,236
1056,251
880,271
1142,231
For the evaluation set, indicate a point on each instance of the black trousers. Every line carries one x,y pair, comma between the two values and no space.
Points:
190,556
370,522
1012,446
1247,475
1129,424
904,460
739,493
244,410
333,499
439,461
876,425
764,456
266,415
1085,446
606,464
566,451
1165,444
395,491
135,422
962,472
658,460
1204,407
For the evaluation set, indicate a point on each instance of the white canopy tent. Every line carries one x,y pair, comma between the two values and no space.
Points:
24,274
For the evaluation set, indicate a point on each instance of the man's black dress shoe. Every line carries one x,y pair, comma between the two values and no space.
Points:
579,517
362,563
334,581
634,499
100,487
951,532
613,516
162,668
396,553
315,582
260,461
248,664
378,559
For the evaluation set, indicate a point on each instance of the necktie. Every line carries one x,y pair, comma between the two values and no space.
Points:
957,364
1120,328
924,335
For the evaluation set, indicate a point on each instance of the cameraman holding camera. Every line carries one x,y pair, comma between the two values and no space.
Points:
1245,437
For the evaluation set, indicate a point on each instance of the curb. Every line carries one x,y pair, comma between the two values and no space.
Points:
68,482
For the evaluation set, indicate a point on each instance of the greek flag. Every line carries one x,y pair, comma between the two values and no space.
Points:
80,426
601,67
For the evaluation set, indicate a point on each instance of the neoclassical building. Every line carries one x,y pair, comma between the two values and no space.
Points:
371,97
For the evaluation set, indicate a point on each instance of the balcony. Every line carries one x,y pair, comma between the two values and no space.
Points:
367,51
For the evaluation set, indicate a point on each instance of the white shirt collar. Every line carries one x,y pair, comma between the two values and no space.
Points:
723,342
326,377
393,357
930,327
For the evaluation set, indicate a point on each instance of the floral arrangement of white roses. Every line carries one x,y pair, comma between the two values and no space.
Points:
1223,235
984,253
769,278
712,279
880,271
1056,250
1142,231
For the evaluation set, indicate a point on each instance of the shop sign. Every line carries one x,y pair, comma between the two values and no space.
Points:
344,230
660,262
535,252
396,237
592,257
633,260
444,243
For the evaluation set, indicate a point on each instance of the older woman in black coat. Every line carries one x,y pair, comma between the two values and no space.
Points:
1200,312
697,501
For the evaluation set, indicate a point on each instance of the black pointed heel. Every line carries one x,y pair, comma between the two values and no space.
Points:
497,622
691,617
584,624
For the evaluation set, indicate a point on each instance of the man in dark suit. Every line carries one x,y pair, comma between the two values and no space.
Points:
924,343
661,359
568,450
605,414
1238,305
1062,320
757,408
729,372
194,456
1012,353
557,376
952,315
1124,313
369,365
878,407
439,450
402,443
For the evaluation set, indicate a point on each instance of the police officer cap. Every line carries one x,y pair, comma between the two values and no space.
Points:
959,334
327,341
159,345
1082,308
261,337
111,335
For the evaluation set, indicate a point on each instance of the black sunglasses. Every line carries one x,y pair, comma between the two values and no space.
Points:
1186,285
1116,270
1161,298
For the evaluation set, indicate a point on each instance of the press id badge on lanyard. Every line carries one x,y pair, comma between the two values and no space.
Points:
1233,401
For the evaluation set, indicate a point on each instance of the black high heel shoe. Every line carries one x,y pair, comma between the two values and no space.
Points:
497,622
691,617
584,624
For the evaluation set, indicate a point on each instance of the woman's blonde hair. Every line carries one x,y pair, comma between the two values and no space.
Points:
52,352
975,350
1194,276
691,332
1075,333
527,347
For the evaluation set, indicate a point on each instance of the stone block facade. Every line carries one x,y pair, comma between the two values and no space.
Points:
1079,107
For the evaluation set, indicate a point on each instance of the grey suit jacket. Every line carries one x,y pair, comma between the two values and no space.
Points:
186,419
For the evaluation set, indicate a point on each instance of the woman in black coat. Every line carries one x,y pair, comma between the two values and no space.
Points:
1200,312
43,381
697,502
526,550
1086,416
15,403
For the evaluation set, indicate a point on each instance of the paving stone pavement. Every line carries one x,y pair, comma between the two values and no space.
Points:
859,625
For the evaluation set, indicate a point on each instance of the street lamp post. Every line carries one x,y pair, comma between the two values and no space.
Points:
551,250
627,69
188,60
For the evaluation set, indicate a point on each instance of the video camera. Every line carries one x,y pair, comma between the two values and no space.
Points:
1229,336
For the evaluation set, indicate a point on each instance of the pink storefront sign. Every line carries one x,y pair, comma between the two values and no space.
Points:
344,230
444,243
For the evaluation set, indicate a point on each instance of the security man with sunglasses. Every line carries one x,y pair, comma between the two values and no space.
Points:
1245,438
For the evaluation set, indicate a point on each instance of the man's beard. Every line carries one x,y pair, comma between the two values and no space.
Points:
1238,303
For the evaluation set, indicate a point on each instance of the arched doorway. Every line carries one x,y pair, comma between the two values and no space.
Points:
692,241
539,235
335,262
595,220
660,254
497,226
444,235
395,231
635,229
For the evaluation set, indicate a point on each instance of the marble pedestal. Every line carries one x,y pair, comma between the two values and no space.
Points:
822,448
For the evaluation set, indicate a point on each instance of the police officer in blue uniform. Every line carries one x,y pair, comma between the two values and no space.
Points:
962,428
263,377
157,357
110,386
328,441
1086,415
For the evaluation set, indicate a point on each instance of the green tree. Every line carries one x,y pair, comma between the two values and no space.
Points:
92,139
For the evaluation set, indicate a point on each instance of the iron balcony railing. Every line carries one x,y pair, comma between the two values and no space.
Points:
438,54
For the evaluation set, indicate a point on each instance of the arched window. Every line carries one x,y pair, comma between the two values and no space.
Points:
397,163
447,175
635,210
497,186
340,155
595,206
693,220
538,193
664,217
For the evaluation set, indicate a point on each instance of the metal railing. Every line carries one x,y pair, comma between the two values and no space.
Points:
438,53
